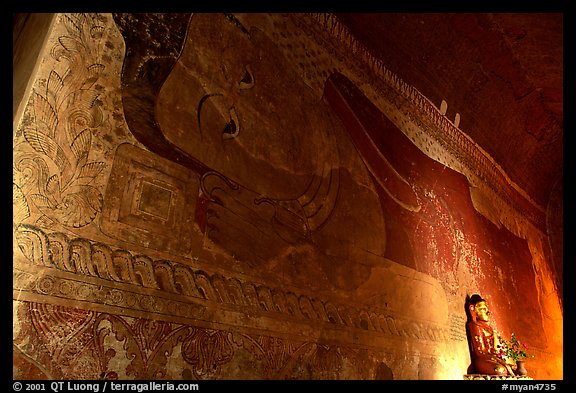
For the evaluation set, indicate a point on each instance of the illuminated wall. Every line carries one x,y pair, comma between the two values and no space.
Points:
229,197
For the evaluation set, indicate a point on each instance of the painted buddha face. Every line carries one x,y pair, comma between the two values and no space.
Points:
235,103
482,312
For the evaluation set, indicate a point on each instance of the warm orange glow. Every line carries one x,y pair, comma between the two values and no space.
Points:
547,362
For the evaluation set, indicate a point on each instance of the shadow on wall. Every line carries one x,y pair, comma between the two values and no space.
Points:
383,373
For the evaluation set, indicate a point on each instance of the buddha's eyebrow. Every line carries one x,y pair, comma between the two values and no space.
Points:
199,109
237,23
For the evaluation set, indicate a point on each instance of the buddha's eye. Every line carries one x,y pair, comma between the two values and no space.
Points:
247,80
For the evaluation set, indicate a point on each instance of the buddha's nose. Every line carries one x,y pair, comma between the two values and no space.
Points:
232,128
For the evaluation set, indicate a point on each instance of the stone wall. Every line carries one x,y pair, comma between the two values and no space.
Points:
219,197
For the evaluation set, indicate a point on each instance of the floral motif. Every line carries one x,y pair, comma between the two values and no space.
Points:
207,350
512,349
62,118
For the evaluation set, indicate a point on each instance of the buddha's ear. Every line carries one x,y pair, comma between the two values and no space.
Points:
472,307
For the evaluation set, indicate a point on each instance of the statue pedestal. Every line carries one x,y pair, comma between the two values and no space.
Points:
488,377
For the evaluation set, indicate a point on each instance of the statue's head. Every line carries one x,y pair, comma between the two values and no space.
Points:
477,308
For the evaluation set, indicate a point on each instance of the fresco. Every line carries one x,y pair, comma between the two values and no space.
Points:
188,206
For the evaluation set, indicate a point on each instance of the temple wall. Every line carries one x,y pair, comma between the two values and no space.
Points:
227,197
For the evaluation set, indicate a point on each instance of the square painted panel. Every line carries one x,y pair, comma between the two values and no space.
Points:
155,200
150,201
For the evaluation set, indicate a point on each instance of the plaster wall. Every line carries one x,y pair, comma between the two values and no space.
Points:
226,197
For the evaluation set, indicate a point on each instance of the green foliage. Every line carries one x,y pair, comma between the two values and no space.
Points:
513,349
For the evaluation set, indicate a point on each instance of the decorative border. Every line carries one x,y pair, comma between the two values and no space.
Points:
486,377
95,273
448,135
123,347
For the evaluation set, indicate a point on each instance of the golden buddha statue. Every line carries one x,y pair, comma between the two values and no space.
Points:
482,340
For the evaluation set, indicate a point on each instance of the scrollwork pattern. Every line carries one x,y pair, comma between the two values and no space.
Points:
94,259
79,344
53,165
